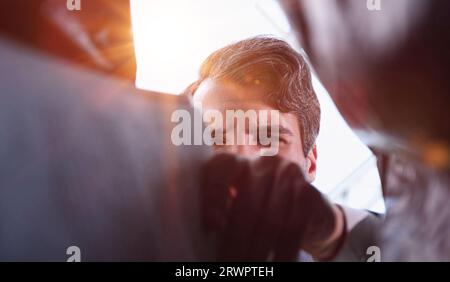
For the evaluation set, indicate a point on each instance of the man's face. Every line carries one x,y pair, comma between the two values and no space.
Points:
223,96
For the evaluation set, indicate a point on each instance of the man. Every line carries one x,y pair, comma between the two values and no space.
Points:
264,73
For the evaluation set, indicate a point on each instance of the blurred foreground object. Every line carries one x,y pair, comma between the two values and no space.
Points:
271,199
99,36
388,72
86,160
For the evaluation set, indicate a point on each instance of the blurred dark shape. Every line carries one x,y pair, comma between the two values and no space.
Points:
99,36
275,212
388,72
418,212
87,161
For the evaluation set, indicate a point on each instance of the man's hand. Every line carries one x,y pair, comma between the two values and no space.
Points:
263,209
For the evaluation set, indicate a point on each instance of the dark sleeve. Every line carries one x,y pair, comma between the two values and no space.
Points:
362,228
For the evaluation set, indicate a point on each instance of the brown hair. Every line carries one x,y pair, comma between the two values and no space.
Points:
279,68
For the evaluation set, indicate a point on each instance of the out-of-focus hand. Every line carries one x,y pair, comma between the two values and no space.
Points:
263,209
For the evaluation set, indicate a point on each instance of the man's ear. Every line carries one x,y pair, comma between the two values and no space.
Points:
311,164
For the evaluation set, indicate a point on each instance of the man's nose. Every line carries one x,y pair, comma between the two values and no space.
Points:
244,150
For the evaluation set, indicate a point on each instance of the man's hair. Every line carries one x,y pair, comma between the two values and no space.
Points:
276,66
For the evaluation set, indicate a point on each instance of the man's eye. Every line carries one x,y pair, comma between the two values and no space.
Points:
226,139
217,142
219,139
283,141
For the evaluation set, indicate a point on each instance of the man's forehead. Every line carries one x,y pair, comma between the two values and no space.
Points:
224,96
228,95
